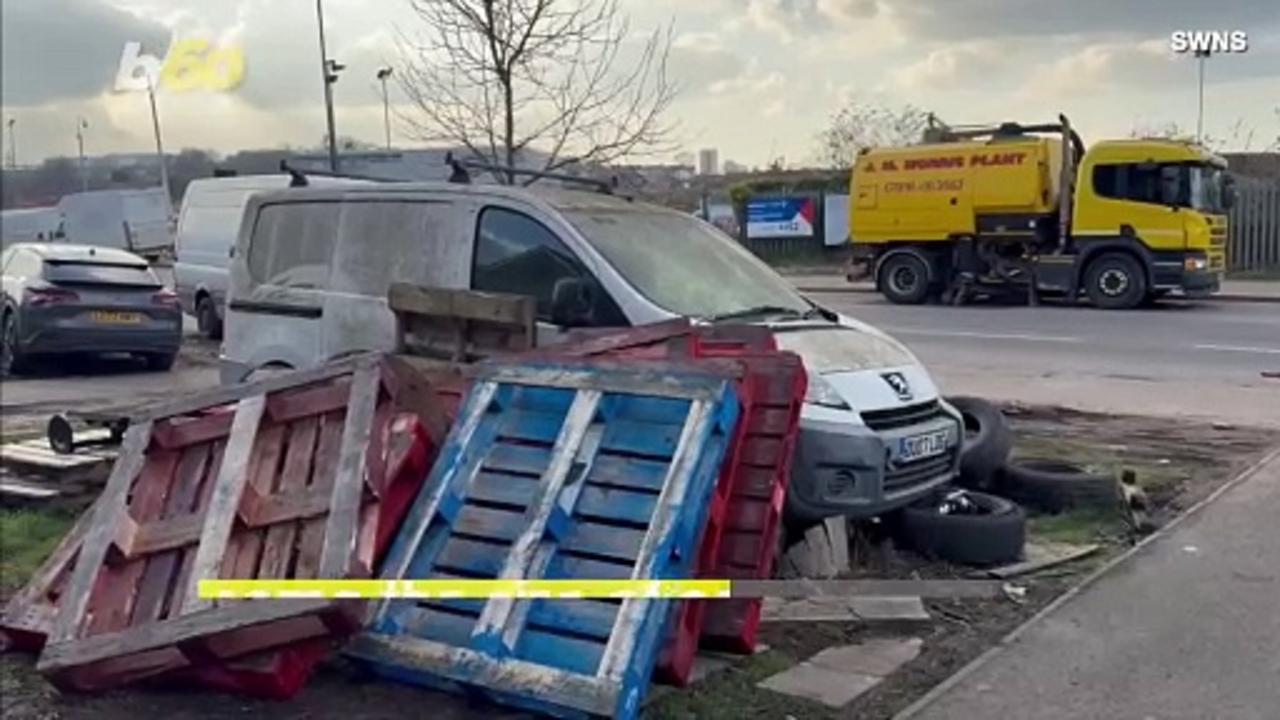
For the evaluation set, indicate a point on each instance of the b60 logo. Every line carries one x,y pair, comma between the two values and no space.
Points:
191,64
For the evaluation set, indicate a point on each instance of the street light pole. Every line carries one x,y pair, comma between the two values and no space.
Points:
13,146
164,166
383,74
1201,56
81,126
329,74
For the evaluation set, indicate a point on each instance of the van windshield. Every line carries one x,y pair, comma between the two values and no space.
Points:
686,266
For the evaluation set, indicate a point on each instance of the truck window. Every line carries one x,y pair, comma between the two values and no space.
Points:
1147,183
519,255
292,244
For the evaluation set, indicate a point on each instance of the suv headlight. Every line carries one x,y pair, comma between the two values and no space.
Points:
821,392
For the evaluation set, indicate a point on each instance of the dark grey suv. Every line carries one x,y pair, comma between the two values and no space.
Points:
61,299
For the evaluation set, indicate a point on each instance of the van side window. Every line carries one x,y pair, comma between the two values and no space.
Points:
292,244
519,255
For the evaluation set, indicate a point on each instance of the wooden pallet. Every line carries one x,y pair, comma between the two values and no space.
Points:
555,470
283,478
746,512
460,325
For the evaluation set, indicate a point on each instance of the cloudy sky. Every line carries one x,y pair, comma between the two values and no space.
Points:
759,78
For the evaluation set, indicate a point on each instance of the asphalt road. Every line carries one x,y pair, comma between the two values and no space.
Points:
1199,360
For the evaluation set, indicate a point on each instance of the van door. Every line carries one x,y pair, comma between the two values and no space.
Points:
277,296
380,242
517,254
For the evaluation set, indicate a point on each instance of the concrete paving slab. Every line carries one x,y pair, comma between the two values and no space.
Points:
811,682
878,657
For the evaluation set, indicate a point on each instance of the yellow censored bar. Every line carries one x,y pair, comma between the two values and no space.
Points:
468,589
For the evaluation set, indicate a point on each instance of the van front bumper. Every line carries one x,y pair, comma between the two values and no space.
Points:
848,469
231,372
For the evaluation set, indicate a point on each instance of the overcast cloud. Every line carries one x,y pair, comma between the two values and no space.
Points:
759,78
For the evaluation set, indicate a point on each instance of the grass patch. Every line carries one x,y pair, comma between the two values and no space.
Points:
26,539
1077,526
731,694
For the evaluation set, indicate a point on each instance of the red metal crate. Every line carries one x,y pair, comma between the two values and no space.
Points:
739,536
291,483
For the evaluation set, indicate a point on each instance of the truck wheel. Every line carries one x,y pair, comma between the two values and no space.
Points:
1116,281
904,279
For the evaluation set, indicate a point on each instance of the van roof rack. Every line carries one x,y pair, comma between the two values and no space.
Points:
300,176
461,174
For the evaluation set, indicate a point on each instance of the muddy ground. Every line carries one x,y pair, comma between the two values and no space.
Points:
1178,463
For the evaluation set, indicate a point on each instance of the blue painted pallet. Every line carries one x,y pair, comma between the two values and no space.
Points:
590,470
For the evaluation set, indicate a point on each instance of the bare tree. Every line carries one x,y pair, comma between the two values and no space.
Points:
506,78
867,125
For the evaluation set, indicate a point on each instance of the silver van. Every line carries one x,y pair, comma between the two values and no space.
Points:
312,268
207,227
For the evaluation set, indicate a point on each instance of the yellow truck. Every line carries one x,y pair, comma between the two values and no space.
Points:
1125,222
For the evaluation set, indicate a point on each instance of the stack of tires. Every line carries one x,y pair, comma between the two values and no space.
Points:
992,528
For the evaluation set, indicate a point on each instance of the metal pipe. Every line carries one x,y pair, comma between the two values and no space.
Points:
164,165
81,125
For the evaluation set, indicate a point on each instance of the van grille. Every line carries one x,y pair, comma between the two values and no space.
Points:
917,472
892,419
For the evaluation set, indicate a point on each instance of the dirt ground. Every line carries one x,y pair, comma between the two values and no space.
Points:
1177,463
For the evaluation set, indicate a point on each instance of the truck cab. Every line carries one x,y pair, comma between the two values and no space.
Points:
1163,201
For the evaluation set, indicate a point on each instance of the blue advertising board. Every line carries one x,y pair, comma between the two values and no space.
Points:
791,217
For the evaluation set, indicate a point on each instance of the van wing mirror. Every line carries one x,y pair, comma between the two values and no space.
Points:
573,302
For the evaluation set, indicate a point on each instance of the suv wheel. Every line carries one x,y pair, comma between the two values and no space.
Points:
12,360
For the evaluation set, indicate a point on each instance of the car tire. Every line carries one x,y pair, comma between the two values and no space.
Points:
1055,486
904,279
987,442
160,362
995,536
1116,281
12,360
207,320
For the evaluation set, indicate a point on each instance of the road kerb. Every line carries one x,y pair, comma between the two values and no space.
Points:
914,709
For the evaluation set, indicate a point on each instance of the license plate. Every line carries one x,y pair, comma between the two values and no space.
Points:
919,447
105,317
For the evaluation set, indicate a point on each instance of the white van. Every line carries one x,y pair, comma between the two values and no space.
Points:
207,227
312,268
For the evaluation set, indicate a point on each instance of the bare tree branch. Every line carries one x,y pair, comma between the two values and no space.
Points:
506,78
867,125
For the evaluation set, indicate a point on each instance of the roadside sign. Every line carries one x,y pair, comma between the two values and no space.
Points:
781,217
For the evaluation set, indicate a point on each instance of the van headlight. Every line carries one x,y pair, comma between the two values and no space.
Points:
821,392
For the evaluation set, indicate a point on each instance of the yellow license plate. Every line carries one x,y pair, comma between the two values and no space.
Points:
115,318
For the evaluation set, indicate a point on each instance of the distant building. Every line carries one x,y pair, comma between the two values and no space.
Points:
709,162
731,167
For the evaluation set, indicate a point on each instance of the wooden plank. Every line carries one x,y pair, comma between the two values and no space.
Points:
569,454
477,669
799,589
158,577
1041,556
697,425
73,653
111,503
647,378
285,407
518,310
29,608
266,386
311,532
181,431
221,515
349,484
293,477
200,505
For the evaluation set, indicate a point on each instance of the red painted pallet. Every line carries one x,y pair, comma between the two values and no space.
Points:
286,480
743,519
